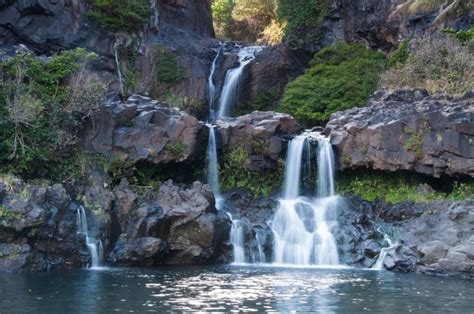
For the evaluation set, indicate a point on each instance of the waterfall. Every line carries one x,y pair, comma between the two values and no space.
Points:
227,99
302,226
94,246
384,251
232,78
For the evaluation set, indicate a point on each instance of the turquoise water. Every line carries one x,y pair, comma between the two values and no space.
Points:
231,288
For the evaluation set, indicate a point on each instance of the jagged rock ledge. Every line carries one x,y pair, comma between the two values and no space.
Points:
407,130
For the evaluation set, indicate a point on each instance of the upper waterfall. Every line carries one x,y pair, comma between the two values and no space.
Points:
232,78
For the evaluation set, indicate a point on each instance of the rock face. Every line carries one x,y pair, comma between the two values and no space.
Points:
171,226
378,24
143,130
262,134
37,228
166,225
183,26
407,130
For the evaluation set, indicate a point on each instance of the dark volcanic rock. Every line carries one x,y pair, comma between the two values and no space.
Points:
171,225
407,130
263,134
37,228
143,130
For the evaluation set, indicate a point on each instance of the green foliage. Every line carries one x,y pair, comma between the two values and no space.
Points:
176,149
44,102
434,64
340,77
222,17
464,37
168,70
303,18
265,99
398,187
247,20
414,143
233,174
120,15
195,107
400,55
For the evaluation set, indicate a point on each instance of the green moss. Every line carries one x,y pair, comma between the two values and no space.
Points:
464,37
120,15
340,77
398,187
233,174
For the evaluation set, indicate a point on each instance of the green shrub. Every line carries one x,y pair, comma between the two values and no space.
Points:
233,173
302,18
340,77
464,37
398,187
44,104
437,65
400,55
120,15
168,72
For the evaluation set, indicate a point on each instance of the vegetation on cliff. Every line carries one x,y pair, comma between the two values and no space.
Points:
45,102
120,15
398,187
341,76
437,65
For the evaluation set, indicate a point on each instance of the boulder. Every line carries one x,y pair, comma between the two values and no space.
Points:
407,130
263,135
37,228
189,228
142,129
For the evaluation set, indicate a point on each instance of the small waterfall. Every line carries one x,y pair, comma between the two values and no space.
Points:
227,99
237,240
384,251
302,226
261,252
94,246
232,78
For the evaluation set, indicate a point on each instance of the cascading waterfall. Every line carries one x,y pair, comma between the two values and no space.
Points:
302,226
94,246
227,99
232,78
384,251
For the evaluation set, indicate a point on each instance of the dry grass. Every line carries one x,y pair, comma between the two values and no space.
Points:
435,64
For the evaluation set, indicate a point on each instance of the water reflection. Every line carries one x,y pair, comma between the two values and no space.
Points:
230,288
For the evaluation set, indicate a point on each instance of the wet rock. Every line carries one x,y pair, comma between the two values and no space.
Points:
401,259
262,134
137,251
142,129
407,130
433,251
191,229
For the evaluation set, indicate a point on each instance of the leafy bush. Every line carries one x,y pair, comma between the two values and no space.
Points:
234,175
399,56
464,37
120,15
302,19
399,187
340,77
45,102
437,65
247,20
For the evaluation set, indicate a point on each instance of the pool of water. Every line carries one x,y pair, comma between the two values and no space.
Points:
233,288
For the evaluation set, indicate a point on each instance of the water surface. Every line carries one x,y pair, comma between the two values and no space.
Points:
232,288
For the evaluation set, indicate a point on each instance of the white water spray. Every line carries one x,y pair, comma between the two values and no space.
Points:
94,246
232,78
302,226
384,251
